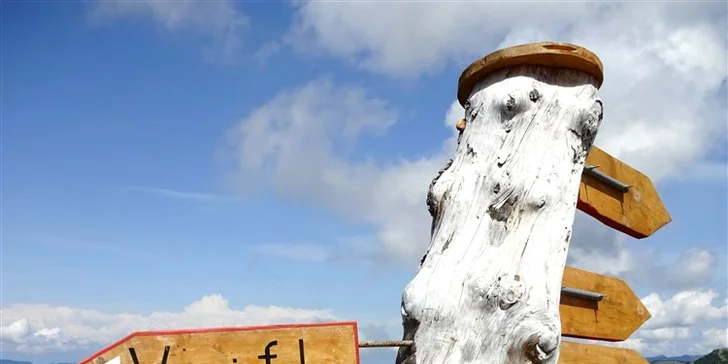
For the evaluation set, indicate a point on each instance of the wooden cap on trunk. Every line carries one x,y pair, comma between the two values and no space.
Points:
549,54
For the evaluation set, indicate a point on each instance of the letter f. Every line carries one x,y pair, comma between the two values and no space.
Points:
268,356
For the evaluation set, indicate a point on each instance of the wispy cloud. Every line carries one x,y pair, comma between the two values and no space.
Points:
299,252
221,22
181,195
347,251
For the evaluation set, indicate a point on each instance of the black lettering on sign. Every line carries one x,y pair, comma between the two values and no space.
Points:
134,358
164,356
301,351
268,356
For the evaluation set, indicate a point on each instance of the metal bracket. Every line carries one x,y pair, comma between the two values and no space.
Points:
575,292
593,171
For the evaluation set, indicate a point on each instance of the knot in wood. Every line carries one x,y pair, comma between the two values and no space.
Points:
540,347
460,126
534,95
509,103
590,123
547,345
510,291
513,103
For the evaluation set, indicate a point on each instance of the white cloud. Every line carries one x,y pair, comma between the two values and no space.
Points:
26,339
664,333
597,249
300,252
298,143
348,251
220,21
661,76
693,269
672,330
408,39
39,328
683,309
265,52
181,195
715,338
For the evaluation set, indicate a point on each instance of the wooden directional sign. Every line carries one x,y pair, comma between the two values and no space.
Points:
578,353
620,196
613,318
331,343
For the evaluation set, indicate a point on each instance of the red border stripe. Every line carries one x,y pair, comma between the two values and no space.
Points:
227,329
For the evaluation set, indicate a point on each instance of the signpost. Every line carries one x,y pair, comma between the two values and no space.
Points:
502,213
598,307
333,343
578,353
620,196
528,142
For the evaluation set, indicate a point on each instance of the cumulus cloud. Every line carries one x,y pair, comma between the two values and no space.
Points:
298,143
694,269
661,76
715,338
684,309
674,328
409,39
614,256
39,328
218,21
25,338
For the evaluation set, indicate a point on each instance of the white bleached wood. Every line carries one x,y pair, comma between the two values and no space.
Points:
488,287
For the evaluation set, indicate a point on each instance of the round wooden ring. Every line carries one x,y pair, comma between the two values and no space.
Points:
549,54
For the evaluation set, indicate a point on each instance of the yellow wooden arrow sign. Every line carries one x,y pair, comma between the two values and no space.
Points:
578,353
334,343
613,317
620,196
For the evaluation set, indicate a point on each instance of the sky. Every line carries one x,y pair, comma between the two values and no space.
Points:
199,164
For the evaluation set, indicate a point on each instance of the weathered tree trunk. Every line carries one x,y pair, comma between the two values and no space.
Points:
488,287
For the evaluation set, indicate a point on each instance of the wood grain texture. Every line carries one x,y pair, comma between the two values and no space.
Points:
614,318
548,54
333,343
638,213
578,353
489,285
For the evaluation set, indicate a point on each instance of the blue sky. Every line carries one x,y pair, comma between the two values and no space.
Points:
154,153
